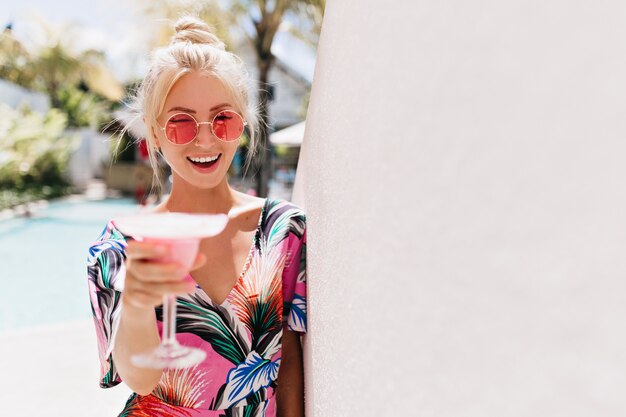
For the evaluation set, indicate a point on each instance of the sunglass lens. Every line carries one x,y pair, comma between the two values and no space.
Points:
227,125
181,129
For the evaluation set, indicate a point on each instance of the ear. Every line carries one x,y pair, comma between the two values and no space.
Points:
154,135
156,139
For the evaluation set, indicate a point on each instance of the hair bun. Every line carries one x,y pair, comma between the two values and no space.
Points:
193,30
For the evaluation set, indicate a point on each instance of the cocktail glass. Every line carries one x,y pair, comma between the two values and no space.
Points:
181,234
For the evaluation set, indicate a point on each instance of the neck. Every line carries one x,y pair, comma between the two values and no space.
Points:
186,198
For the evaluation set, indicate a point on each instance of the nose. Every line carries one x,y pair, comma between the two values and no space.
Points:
205,134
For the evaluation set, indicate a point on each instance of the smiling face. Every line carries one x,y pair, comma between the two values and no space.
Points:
203,162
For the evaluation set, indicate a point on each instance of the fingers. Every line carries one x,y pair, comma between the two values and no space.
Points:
142,300
148,280
157,272
142,262
144,250
160,289
149,294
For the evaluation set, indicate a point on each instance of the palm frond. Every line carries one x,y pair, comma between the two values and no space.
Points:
284,218
270,343
248,378
151,406
257,298
105,270
297,312
182,387
214,325
253,410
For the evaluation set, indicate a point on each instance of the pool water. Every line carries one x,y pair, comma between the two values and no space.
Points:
43,269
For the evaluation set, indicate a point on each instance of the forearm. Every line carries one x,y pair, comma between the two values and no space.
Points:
137,333
290,391
290,398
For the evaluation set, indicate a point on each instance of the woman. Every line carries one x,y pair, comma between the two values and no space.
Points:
245,306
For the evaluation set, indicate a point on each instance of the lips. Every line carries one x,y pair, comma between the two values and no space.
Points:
206,163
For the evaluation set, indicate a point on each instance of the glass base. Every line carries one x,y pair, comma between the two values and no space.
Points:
170,355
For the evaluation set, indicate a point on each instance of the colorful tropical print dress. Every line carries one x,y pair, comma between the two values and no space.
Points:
241,337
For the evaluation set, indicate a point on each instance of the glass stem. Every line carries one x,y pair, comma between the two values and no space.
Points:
169,320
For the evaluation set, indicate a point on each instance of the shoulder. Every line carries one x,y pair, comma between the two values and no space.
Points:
280,207
105,260
111,233
285,213
110,239
283,218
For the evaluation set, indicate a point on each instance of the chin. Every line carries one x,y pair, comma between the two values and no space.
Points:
205,184
199,181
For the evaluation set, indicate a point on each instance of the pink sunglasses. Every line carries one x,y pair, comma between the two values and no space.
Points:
182,128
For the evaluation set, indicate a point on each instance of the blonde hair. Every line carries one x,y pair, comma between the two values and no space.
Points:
193,47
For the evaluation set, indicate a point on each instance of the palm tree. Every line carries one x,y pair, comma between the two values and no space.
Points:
14,60
60,66
267,18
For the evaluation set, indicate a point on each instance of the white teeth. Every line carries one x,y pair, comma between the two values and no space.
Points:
203,160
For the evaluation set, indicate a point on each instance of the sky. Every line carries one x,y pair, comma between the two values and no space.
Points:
113,26
117,28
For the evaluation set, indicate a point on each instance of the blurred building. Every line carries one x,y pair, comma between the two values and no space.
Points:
91,155
290,81
16,97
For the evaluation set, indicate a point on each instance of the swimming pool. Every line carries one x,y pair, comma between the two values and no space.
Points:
43,269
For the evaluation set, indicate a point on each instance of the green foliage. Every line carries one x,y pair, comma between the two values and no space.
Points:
78,82
123,148
168,11
15,63
35,148
84,108
34,154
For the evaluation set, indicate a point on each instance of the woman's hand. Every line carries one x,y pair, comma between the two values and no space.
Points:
148,280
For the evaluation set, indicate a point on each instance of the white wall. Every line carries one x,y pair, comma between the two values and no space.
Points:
87,160
16,97
466,194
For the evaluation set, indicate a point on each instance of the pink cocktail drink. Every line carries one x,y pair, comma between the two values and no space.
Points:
181,234
179,251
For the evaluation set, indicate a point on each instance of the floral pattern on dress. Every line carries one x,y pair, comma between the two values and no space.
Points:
242,336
